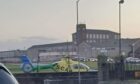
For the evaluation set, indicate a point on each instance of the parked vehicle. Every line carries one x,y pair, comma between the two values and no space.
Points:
6,76
132,59
66,64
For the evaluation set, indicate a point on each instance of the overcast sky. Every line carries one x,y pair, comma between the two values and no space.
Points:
27,22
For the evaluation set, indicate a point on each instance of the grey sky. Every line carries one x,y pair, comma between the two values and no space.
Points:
57,18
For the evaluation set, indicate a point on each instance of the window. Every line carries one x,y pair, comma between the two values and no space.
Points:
100,36
90,41
104,36
91,36
75,66
97,36
87,35
107,36
94,41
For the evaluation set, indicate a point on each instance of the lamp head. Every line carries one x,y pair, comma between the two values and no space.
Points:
77,1
121,1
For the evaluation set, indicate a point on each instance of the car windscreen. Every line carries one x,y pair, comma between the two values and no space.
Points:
6,78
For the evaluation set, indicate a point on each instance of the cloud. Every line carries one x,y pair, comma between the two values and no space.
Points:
25,42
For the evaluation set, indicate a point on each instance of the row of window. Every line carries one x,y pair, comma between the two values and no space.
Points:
109,48
59,49
95,41
91,41
8,54
98,36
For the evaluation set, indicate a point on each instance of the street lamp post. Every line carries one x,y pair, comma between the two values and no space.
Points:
120,54
120,2
77,6
79,75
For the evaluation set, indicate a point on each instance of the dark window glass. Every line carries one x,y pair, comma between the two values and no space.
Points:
75,66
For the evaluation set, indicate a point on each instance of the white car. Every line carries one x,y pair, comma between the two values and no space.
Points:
6,76
132,59
93,59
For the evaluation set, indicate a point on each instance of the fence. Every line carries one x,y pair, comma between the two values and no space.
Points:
58,78
71,81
